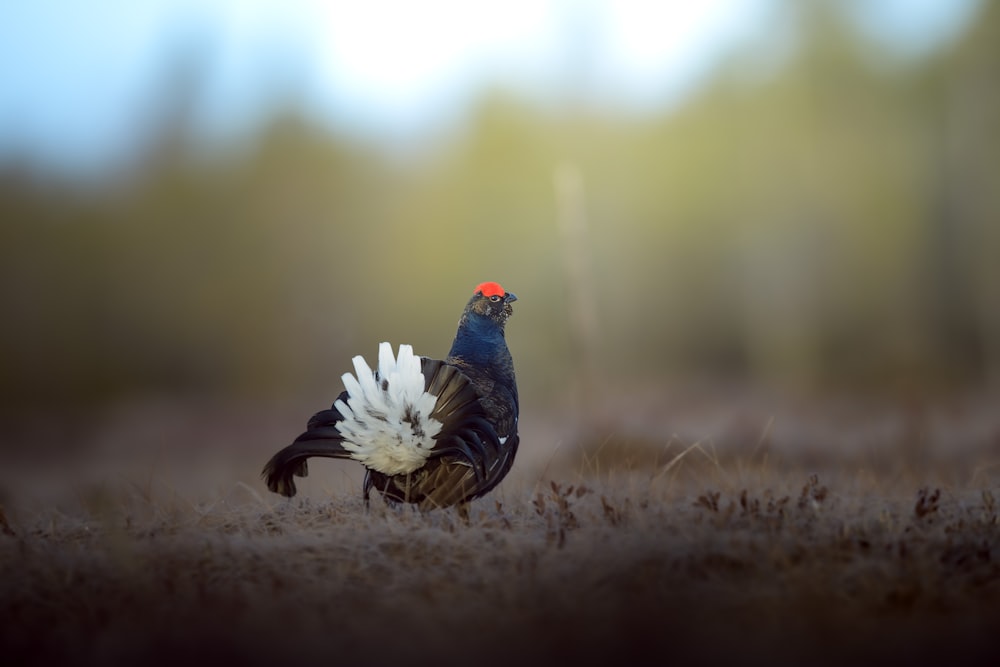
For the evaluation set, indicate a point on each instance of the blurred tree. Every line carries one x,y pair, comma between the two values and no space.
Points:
822,220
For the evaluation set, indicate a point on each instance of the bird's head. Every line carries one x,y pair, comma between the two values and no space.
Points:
492,301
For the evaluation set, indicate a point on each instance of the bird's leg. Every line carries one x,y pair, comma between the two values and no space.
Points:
366,489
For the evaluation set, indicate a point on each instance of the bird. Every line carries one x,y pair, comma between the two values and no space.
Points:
433,433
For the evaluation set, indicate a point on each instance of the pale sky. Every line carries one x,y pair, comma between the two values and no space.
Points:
79,80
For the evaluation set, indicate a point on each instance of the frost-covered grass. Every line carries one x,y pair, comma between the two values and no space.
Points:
689,555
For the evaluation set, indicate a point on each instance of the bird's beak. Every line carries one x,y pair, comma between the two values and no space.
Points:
510,297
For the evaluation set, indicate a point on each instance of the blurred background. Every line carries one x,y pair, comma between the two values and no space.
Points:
208,207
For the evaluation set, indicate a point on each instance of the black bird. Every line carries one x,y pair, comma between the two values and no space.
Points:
430,432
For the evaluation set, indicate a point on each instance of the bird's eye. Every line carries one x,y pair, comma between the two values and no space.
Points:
494,298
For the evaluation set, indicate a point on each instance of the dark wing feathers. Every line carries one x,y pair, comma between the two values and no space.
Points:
456,396
464,462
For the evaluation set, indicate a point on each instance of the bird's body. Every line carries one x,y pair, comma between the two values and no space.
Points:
430,432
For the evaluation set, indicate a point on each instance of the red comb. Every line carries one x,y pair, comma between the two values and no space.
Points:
490,289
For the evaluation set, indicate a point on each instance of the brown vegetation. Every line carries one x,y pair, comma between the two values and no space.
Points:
693,554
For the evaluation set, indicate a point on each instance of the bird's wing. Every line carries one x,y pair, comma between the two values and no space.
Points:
467,431
469,457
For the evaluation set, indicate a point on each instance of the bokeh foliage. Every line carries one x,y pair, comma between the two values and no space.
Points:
827,221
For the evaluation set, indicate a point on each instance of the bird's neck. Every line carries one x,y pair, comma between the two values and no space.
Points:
479,341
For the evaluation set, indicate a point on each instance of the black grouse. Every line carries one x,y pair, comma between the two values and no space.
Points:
430,432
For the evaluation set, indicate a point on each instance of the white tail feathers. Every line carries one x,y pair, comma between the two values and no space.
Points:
387,424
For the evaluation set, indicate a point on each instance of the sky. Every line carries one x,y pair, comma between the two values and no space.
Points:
82,82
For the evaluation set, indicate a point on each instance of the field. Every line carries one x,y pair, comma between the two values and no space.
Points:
825,534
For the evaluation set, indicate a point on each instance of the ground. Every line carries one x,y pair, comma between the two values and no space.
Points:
660,548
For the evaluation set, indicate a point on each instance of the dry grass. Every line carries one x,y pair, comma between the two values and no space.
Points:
692,554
